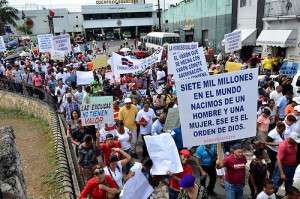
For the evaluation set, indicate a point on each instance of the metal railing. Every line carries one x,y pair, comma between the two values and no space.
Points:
63,172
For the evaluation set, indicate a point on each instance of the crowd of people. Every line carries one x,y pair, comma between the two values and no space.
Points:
107,153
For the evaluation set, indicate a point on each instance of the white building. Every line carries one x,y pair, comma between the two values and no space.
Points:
281,29
71,22
113,19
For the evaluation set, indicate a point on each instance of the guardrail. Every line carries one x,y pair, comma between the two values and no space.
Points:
63,171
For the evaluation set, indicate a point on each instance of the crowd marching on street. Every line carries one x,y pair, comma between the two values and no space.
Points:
107,153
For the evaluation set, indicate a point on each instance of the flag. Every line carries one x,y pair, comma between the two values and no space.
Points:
23,15
51,13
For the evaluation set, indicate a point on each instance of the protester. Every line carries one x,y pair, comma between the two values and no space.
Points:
190,190
268,192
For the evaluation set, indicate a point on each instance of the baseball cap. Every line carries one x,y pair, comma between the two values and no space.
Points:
297,108
185,152
187,181
127,100
68,95
237,146
110,126
68,88
137,73
95,82
295,136
296,99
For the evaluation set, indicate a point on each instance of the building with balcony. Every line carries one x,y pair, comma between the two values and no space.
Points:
113,20
204,21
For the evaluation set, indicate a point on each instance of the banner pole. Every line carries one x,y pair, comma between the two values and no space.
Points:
220,153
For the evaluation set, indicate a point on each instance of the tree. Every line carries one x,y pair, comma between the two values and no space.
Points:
8,15
22,29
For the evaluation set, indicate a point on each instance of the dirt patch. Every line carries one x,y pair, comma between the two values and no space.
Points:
33,148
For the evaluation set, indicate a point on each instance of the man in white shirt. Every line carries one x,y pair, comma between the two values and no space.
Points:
145,119
220,56
109,128
160,75
268,192
79,94
275,95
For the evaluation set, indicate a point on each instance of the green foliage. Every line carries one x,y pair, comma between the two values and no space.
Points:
22,29
8,15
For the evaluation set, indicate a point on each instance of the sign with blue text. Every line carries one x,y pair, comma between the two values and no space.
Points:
92,114
218,108
289,69
233,41
62,43
45,43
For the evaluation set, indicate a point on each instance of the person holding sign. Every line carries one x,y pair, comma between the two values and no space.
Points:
235,165
175,178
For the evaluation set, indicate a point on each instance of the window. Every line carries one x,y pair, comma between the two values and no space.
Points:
243,3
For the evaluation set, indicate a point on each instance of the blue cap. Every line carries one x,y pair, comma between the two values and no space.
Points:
187,181
237,146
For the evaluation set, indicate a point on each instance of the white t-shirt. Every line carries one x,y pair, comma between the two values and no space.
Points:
117,175
263,195
160,76
149,116
103,134
2,70
123,139
275,96
277,139
61,90
17,75
79,95
297,173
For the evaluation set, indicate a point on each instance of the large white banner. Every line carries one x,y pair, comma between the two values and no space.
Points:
179,48
137,187
164,154
2,44
154,58
218,108
92,114
233,41
84,77
45,43
62,43
189,64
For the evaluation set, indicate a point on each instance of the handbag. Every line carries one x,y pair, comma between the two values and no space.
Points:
110,195
120,189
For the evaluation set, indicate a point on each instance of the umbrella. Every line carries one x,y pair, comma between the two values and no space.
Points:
25,54
125,50
14,56
141,54
20,49
13,43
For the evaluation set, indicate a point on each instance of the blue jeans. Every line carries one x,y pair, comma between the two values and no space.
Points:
233,191
128,165
173,194
289,173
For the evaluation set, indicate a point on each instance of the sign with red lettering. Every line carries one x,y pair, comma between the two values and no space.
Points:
92,114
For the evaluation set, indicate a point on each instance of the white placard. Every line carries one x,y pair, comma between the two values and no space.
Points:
189,64
137,187
92,114
45,43
233,41
62,43
154,58
2,44
84,77
123,65
218,108
164,154
77,49
57,55
179,48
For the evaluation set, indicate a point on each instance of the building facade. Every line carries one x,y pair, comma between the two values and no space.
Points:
71,22
204,21
113,20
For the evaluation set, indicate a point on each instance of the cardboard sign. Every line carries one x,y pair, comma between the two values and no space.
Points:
100,62
84,78
232,66
2,44
93,114
111,79
57,55
233,41
62,43
101,99
179,48
45,43
218,108
189,64
172,120
289,69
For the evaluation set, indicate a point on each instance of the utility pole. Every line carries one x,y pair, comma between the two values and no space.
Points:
159,17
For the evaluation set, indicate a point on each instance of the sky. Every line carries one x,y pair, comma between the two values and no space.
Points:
71,5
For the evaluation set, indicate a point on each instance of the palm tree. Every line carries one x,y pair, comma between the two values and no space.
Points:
8,14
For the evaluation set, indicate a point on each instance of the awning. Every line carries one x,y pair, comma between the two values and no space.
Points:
281,38
188,29
248,37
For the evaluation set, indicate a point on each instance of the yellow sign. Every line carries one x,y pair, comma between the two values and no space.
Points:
100,62
232,66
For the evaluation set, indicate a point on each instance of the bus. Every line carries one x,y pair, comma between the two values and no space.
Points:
157,39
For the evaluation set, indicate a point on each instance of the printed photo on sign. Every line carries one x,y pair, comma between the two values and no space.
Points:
218,108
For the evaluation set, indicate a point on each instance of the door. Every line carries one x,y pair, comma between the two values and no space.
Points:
205,38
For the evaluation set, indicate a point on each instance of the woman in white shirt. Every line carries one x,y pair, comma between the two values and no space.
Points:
124,137
114,167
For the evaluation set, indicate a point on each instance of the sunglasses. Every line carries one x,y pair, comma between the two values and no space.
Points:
99,172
